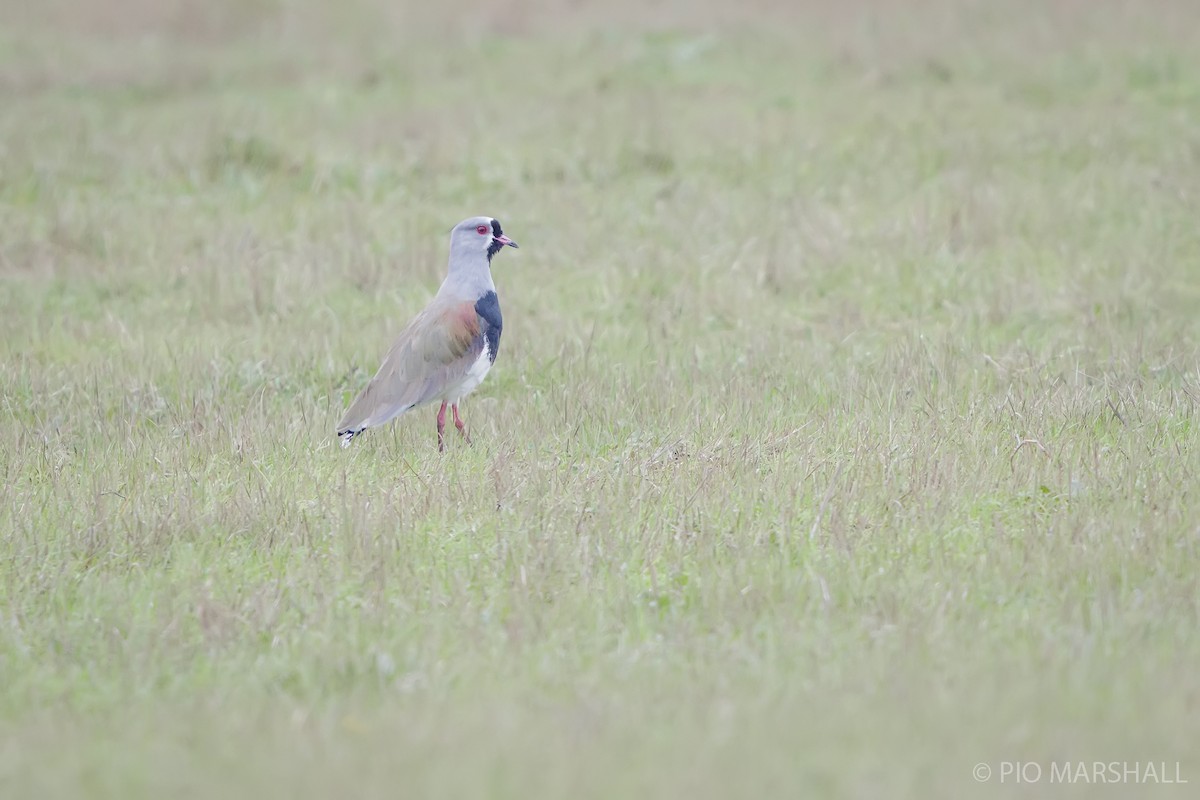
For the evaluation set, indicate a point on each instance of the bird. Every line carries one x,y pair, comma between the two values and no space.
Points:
445,352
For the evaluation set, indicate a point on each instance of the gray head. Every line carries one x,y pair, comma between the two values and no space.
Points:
477,235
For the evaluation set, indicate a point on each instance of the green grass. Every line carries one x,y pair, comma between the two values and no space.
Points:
843,434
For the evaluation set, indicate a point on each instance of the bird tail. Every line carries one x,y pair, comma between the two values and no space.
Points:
349,434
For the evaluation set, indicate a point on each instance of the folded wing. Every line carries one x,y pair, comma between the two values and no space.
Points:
436,350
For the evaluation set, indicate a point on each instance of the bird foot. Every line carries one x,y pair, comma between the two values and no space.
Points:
458,423
441,428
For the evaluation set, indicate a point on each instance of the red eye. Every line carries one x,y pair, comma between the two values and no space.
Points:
481,230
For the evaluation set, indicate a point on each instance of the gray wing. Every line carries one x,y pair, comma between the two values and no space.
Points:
435,350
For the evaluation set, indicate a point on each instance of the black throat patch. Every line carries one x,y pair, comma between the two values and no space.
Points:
495,247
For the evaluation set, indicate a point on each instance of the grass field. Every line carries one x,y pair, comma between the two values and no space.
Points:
843,435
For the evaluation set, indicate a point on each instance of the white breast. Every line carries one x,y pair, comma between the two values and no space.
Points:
472,379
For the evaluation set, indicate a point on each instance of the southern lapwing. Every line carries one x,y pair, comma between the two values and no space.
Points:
447,349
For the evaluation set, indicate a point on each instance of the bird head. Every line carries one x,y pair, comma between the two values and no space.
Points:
479,234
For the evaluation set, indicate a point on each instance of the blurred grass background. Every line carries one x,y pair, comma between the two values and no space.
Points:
842,435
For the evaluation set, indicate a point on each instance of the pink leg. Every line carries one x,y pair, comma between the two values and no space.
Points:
441,427
458,423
